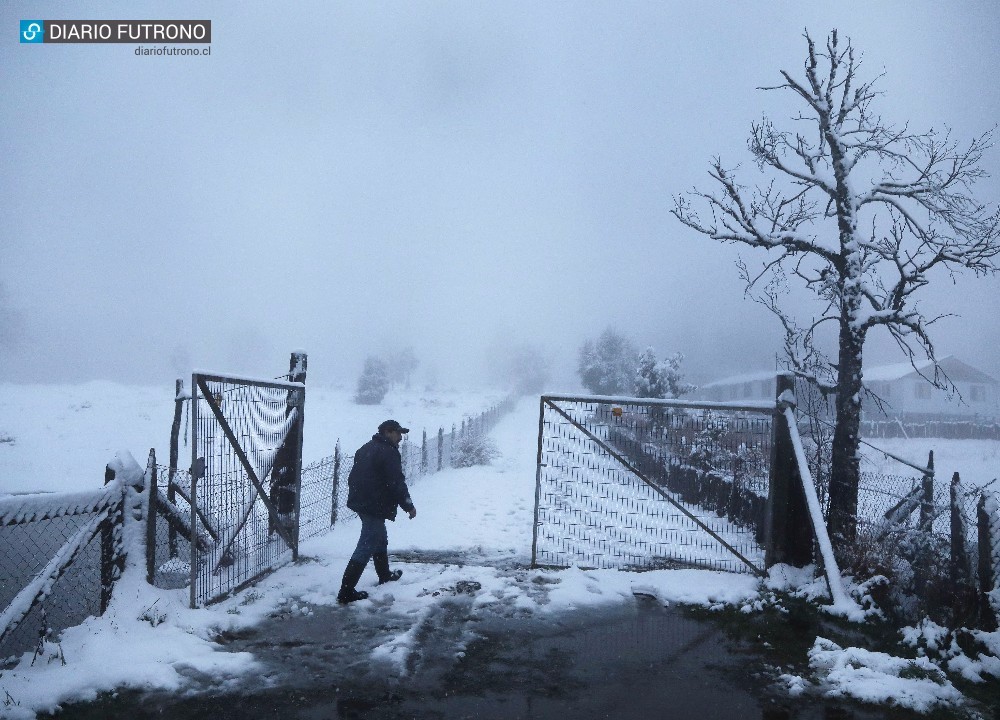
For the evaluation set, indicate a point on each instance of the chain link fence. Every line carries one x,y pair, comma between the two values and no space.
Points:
323,501
932,537
632,483
59,555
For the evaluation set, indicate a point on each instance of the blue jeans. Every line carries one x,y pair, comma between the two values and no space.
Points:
374,539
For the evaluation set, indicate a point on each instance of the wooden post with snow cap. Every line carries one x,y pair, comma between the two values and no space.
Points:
927,495
296,400
787,529
423,453
335,490
152,490
960,570
175,432
987,581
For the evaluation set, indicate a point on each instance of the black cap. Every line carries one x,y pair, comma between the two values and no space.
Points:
392,425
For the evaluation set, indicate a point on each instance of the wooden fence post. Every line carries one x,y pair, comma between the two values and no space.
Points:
152,489
787,527
286,474
927,499
987,617
112,560
959,560
175,432
423,454
336,483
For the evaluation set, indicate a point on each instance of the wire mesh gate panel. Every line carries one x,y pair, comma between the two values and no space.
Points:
630,483
245,481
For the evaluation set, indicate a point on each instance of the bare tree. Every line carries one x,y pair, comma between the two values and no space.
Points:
860,212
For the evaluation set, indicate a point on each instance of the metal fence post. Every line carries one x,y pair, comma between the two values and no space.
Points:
787,529
538,481
987,618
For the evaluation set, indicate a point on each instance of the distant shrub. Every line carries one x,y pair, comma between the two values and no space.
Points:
473,449
373,383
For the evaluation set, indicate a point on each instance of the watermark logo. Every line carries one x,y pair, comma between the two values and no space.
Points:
32,31
116,31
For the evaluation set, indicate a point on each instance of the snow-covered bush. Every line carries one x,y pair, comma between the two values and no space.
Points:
608,366
709,451
473,448
914,565
660,378
373,383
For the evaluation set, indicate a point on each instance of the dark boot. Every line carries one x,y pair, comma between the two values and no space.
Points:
385,575
351,576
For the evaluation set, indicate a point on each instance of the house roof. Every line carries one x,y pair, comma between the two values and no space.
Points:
956,370
741,379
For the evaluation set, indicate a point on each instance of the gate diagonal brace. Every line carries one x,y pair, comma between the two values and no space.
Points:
232,533
635,471
272,512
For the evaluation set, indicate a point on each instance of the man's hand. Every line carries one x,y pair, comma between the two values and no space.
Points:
412,513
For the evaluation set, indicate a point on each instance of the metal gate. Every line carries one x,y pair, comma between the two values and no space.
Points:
630,483
246,461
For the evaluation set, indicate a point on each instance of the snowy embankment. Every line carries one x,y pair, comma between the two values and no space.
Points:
471,536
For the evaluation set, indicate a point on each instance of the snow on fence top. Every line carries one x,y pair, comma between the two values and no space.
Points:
20,509
758,406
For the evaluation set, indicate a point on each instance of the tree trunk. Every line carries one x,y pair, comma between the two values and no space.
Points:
845,471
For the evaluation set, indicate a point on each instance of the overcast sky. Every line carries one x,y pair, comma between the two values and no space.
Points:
352,178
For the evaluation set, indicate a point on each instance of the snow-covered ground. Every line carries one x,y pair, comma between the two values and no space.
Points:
479,516
60,437
976,461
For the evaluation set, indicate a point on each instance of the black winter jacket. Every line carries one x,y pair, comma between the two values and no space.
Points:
376,485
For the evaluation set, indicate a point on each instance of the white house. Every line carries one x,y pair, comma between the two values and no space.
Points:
905,394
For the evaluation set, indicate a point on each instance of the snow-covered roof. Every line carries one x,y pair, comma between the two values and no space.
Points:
956,370
741,379
894,371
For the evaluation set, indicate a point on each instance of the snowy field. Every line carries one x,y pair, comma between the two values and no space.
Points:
60,437
473,525
976,461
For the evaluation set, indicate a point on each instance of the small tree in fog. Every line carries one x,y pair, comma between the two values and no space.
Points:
861,213
660,378
527,369
608,366
401,365
373,383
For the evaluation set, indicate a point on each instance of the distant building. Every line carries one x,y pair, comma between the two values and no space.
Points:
905,394
750,386
908,396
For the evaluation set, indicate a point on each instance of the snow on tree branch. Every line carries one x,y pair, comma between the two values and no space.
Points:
863,214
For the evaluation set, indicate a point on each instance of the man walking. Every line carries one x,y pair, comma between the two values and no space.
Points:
376,487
